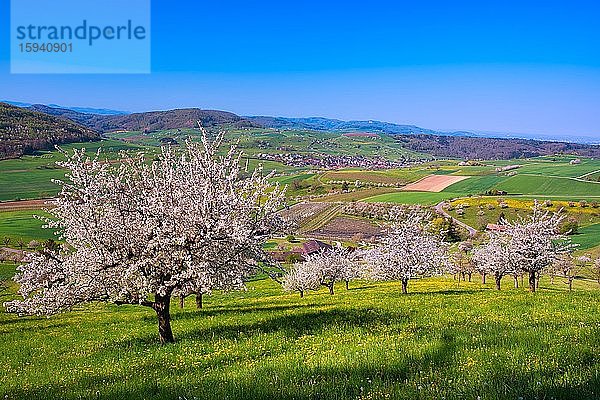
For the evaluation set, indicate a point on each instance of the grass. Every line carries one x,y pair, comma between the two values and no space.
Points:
30,177
425,198
587,237
440,341
392,176
475,184
544,185
22,225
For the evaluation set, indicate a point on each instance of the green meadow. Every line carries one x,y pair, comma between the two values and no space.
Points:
30,177
401,197
443,340
22,225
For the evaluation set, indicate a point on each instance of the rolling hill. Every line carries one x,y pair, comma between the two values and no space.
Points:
458,144
148,121
23,131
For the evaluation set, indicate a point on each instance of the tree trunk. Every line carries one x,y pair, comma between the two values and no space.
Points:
199,300
181,301
532,281
483,278
516,281
498,279
537,279
469,274
301,293
552,279
404,286
330,286
570,284
463,276
162,305
522,284
346,285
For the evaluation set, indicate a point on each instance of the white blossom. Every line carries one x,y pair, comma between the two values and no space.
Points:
137,232
408,251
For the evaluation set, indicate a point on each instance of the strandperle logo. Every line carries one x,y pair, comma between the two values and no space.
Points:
70,36
85,31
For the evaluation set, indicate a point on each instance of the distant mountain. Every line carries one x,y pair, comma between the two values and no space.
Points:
147,121
23,131
75,116
84,110
88,110
171,119
336,125
460,144
327,124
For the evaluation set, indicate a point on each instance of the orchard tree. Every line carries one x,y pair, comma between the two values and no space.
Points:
407,251
461,262
492,258
301,278
568,268
137,232
532,243
596,269
330,266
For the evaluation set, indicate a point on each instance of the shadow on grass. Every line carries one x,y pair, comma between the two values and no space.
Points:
291,325
293,381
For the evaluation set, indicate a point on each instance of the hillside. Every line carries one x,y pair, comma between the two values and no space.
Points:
24,131
147,121
327,124
171,119
491,148
459,144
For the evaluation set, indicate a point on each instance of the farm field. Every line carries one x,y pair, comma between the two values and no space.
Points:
21,225
434,183
405,197
440,340
544,185
480,211
30,177
393,176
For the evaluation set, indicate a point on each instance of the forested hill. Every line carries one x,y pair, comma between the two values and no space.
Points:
23,131
150,121
491,148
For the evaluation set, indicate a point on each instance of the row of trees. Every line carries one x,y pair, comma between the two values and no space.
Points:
412,249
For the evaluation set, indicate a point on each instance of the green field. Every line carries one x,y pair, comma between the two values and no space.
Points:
440,341
390,176
521,184
475,184
587,237
543,185
560,168
425,198
21,225
29,177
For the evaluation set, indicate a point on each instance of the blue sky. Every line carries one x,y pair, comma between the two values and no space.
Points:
512,66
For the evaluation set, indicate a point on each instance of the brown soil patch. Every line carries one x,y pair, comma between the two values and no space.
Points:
23,205
347,228
434,183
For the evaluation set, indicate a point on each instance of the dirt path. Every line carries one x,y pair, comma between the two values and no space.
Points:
439,208
23,205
